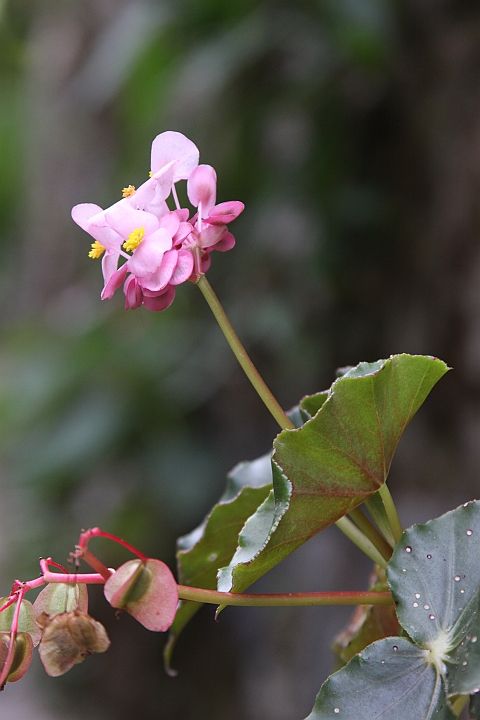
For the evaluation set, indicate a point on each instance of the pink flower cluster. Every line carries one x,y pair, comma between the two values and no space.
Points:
162,248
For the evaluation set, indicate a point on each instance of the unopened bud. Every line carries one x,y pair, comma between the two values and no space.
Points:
147,590
67,640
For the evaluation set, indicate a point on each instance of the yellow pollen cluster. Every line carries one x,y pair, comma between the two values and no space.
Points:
128,191
134,239
96,251
150,173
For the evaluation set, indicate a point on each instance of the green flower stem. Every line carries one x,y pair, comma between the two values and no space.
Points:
371,532
357,537
391,512
284,599
242,356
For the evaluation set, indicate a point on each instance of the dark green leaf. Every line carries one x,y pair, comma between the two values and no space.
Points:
334,462
209,547
434,575
390,678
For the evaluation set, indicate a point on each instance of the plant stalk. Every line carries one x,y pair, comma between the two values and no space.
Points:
371,532
391,512
353,533
242,356
284,599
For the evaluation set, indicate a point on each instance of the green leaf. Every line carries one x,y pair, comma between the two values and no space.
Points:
434,575
334,462
26,621
209,547
390,678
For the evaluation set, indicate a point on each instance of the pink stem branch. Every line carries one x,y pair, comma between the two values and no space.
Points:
13,636
87,535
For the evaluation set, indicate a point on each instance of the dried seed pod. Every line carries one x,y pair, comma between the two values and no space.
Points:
67,640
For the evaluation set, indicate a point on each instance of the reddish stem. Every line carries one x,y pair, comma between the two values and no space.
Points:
13,636
96,564
49,562
87,535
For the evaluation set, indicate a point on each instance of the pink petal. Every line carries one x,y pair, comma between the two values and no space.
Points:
210,235
164,179
114,282
124,219
148,256
170,222
83,213
184,230
183,269
225,212
109,264
226,243
182,214
205,262
159,302
160,278
174,146
133,293
149,197
202,188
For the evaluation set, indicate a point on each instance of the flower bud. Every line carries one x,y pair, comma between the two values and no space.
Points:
147,590
67,640
22,656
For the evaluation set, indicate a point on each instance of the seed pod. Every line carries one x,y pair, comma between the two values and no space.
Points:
26,620
22,656
58,598
67,640
147,590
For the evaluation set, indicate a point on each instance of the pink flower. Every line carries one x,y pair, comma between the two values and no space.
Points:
210,223
155,266
162,248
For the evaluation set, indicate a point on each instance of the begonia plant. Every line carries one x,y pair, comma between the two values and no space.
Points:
412,649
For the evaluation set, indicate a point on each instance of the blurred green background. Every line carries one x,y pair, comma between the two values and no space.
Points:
351,130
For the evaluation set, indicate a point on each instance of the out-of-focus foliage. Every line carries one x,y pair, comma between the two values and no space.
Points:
350,129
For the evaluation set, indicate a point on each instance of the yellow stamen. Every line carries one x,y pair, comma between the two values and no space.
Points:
134,239
128,191
150,173
97,250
